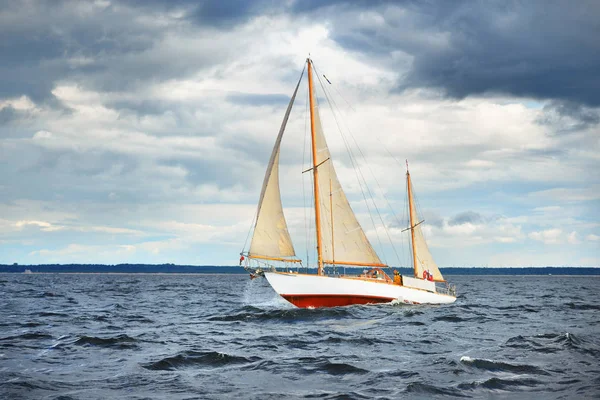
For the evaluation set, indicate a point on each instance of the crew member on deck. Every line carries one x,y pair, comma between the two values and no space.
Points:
397,279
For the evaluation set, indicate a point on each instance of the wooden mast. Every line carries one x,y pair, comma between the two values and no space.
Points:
412,220
315,170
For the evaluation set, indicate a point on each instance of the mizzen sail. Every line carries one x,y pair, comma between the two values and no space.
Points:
271,237
423,259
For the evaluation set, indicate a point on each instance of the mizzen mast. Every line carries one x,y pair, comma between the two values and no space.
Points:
413,219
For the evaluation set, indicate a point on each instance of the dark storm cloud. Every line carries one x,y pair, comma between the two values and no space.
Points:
102,48
258,99
228,13
467,217
141,106
539,49
42,43
566,116
7,114
218,13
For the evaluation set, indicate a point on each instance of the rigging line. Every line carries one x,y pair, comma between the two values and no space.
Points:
364,180
379,140
250,230
343,98
310,238
417,209
374,176
306,227
396,160
354,165
399,163
417,206
356,168
405,217
369,167
309,245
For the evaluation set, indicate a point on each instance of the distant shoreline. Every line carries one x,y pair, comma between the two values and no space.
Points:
122,273
170,269
245,273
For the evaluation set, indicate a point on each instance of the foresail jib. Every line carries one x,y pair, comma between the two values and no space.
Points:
271,236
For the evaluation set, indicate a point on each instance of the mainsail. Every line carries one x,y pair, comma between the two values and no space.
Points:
271,238
342,238
423,258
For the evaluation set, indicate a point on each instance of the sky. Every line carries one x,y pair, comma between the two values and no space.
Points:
139,131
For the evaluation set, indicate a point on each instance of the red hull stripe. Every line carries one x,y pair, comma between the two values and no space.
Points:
332,300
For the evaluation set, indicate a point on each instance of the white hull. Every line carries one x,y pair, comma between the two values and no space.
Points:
323,291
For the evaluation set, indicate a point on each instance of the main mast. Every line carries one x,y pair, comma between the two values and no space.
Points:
315,170
412,219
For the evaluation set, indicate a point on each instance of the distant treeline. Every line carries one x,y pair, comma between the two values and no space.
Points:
213,269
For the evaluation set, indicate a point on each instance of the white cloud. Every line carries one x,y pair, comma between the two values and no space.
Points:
569,194
22,103
43,225
84,254
573,238
592,238
548,236
42,135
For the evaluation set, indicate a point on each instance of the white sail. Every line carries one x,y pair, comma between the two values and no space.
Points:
424,258
271,237
344,241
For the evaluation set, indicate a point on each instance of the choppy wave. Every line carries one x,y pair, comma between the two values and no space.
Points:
27,336
324,365
195,358
431,390
552,343
120,341
52,314
492,365
583,306
250,313
362,341
495,383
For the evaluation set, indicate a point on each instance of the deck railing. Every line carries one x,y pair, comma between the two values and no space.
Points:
449,289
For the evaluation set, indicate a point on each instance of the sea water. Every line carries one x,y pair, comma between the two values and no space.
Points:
87,336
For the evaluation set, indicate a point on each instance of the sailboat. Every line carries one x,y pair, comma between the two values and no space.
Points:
340,239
